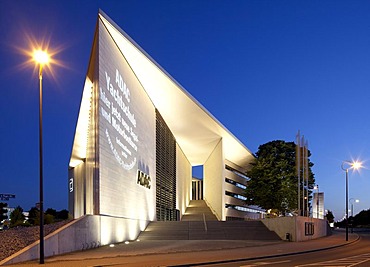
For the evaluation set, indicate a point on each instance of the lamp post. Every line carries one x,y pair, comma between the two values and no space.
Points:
351,165
41,58
351,201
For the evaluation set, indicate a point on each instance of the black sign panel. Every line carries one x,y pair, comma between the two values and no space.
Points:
5,197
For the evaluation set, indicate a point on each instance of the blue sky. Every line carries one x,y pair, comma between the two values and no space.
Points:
265,69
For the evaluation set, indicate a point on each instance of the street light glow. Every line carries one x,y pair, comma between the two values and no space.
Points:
356,165
41,57
351,164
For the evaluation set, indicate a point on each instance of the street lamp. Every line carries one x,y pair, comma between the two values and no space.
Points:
351,201
350,165
41,59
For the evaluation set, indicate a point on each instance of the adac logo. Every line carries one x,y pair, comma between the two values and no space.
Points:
143,179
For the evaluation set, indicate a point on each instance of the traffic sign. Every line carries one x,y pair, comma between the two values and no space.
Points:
5,197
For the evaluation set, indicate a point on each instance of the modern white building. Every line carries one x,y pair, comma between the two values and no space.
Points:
138,135
318,210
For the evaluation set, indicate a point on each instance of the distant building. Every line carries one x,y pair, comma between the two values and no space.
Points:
138,134
318,210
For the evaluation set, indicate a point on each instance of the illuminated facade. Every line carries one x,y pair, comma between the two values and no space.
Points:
135,144
318,210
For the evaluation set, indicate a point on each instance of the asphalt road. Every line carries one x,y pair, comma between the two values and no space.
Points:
202,253
355,254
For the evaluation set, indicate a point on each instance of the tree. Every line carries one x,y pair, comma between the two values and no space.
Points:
330,216
34,216
17,217
51,212
3,211
50,215
62,215
273,180
48,219
362,218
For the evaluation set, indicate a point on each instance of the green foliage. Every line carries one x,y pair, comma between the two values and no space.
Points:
50,215
26,224
48,218
273,179
34,216
62,215
330,216
16,217
51,211
362,218
3,211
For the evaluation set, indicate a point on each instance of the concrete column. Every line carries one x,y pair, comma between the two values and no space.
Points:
214,181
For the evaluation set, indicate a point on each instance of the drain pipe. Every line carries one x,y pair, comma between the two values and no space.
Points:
205,223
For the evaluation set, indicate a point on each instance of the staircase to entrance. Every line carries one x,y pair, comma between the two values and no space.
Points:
199,223
198,210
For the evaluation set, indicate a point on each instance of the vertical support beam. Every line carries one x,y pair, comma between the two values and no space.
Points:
214,181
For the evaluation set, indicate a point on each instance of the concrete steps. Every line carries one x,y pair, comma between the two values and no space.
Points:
214,230
195,211
193,227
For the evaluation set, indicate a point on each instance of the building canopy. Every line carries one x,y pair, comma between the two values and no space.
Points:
196,130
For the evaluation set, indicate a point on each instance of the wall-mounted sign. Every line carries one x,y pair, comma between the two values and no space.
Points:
71,185
143,179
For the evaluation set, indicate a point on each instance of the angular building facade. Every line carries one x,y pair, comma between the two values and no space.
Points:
137,137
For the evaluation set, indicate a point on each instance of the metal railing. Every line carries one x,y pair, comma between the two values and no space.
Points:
205,223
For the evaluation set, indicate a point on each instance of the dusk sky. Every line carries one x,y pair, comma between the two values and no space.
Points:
264,69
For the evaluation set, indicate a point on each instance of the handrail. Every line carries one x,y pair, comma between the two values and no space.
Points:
213,211
205,223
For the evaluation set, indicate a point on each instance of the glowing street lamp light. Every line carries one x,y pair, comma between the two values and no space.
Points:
350,165
41,59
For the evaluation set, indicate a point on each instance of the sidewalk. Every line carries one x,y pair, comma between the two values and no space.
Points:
185,252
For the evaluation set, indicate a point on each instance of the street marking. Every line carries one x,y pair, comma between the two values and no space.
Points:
344,262
363,261
264,263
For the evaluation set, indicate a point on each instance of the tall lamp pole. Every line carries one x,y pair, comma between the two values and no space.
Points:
350,165
41,58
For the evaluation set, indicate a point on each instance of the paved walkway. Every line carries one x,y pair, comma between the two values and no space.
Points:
188,252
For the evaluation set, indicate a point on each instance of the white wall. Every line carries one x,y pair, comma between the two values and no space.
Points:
76,189
214,181
126,138
295,226
183,181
